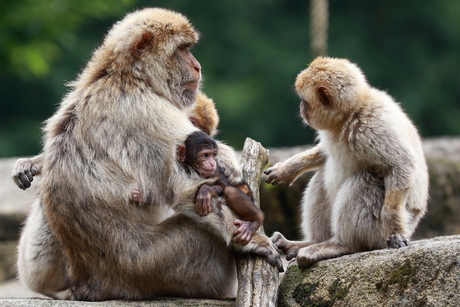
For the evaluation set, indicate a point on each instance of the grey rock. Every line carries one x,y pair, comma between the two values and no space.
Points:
426,273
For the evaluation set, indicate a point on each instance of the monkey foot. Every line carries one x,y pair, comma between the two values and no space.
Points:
397,241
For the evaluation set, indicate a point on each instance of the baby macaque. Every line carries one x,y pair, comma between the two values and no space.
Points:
199,153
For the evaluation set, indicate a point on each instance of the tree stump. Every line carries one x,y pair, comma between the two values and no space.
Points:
257,280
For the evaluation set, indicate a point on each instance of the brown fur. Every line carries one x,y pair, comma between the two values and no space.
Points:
118,129
371,185
204,114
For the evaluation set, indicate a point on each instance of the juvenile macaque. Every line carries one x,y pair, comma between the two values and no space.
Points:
204,114
117,129
371,183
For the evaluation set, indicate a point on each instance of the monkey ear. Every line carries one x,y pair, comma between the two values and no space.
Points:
141,44
324,96
180,153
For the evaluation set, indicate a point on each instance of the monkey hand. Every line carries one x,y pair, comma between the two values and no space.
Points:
279,174
136,195
203,199
397,241
244,232
286,246
23,173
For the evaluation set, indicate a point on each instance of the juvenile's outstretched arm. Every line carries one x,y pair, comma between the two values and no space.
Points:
289,170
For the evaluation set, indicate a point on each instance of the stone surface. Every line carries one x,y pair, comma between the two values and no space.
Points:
170,302
426,273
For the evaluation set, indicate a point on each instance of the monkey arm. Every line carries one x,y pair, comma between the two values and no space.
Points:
394,217
242,205
203,197
394,212
251,217
25,169
289,170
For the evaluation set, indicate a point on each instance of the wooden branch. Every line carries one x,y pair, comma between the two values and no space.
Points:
257,280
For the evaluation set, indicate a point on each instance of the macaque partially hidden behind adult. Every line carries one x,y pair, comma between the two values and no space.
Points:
199,153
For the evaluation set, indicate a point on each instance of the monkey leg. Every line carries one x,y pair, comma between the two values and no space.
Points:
316,211
40,261
289,248
316,219
178,257
355,221
221,221
261,245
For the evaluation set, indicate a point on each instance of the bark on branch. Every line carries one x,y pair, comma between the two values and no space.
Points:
257,280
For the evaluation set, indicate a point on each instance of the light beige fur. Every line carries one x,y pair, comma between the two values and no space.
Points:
117,129
371,183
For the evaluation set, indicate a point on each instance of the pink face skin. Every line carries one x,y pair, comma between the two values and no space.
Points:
195,68
304,109
207,162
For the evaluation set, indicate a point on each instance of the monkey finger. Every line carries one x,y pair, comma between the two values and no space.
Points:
291,254
29,175
22,181
199,207
207,206
397,241
271,181
18,183
240,239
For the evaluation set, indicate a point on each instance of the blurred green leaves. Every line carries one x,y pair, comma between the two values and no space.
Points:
34,31
250,52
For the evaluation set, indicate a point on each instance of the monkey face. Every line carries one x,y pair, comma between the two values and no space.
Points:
184,77
191,81
206,163
155,43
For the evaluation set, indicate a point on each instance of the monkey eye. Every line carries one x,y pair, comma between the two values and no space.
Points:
185,46
206,155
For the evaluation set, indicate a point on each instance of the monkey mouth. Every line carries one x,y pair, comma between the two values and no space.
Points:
193,85
207,172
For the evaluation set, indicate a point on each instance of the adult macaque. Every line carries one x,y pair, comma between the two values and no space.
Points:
203,116
371,185
199,152
117,129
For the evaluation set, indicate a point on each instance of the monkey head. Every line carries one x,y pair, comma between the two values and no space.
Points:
199,151
204,114
152,45
328,89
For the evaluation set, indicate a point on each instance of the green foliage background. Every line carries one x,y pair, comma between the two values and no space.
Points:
250,51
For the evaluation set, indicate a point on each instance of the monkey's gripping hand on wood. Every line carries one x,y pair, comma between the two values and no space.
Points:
289,170
25,169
